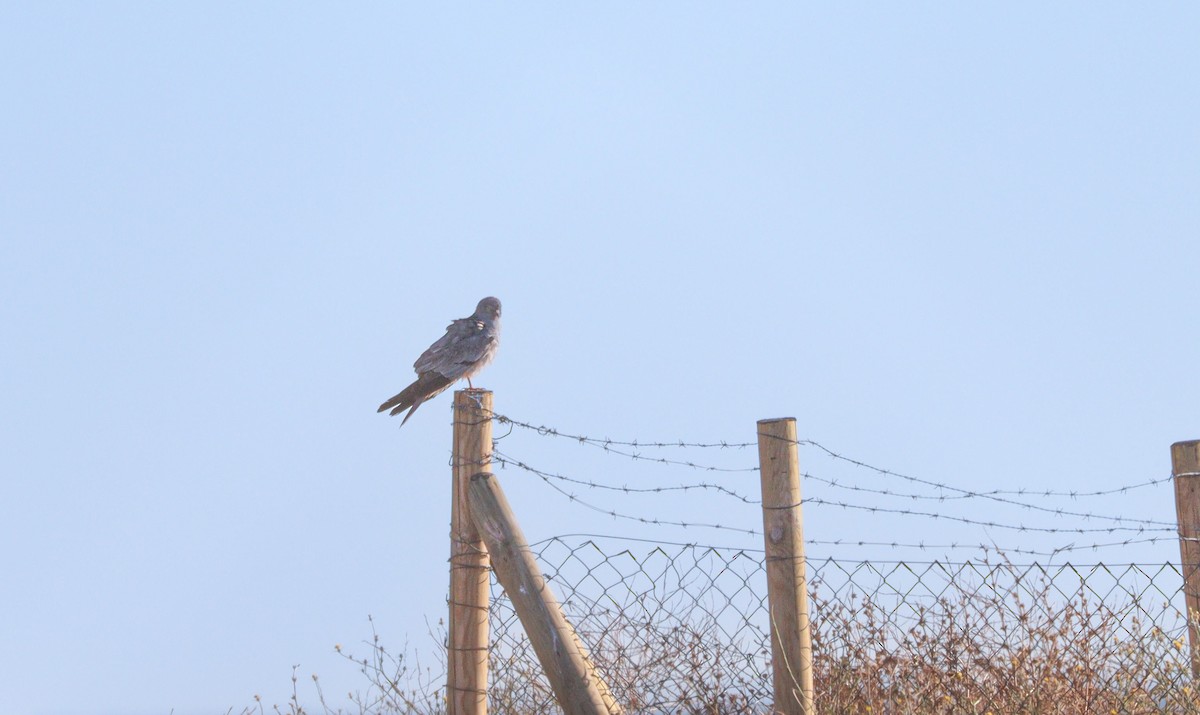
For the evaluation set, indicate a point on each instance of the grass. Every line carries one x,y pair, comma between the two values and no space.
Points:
1013,644
988,637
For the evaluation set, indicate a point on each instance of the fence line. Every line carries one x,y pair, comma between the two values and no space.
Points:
605,444
687,627
549,478
980,548
504,458
1135,530
996,495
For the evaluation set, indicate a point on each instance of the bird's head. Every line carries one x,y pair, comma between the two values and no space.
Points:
488,308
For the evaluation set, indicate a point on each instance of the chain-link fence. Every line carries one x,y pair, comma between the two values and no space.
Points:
684,629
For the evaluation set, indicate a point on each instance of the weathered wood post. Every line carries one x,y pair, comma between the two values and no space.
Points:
1185,468
577,686
787,584
470,578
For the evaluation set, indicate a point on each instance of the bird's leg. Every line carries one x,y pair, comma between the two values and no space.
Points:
469,385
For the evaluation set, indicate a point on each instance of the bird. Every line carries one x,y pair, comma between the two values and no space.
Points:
469,344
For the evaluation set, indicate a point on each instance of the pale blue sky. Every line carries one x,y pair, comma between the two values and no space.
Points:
959,242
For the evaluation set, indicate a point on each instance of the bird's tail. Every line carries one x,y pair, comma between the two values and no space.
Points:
410,398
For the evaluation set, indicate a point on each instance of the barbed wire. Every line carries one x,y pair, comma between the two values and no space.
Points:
921,546
996,495
912,583
504,458
606,442
607,446
990,493
1057,511
1141,529
982,547
550,478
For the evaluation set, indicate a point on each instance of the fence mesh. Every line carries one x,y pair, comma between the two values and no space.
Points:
685,629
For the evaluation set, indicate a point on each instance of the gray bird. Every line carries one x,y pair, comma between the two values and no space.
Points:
468,345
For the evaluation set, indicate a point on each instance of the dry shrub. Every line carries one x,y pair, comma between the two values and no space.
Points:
1008,642
654,660
899,639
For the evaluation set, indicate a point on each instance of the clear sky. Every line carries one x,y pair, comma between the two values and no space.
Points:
959,242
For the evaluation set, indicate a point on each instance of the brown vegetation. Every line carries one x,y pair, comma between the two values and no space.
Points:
902,640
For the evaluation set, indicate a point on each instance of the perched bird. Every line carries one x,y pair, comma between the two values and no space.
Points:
468,345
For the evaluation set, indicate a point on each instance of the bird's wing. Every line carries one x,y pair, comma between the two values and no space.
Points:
465,342
425,387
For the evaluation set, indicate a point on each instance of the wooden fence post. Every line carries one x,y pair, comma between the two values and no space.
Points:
787,585
470,577
577,686
1185,467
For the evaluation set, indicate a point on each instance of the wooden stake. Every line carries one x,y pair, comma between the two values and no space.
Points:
1185,466
579,689
470,579
787,584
